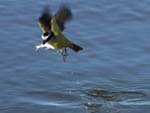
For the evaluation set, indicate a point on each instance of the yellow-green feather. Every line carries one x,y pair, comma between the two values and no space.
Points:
60,40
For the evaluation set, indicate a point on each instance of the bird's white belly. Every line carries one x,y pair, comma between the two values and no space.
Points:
47,45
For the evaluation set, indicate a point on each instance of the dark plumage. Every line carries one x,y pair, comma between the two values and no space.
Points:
63,15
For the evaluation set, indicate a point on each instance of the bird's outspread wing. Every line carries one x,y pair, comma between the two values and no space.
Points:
63,15
45,20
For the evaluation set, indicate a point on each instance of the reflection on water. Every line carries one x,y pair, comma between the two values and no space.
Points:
113,100
113,95
104,94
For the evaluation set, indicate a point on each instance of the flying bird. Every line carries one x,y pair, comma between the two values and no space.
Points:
52,28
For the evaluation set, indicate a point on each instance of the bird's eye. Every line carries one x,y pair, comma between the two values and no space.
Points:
46,34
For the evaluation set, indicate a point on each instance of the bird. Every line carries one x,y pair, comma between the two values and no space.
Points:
52,28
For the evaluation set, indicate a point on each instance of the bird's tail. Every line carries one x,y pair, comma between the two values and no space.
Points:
75,47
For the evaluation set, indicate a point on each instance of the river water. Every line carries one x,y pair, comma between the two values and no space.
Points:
111,74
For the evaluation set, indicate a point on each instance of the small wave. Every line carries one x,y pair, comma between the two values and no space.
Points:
135,102
49,103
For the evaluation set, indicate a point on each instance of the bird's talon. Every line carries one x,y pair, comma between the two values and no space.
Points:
64,54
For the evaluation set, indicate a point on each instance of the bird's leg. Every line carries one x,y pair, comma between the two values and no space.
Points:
64,54
66,51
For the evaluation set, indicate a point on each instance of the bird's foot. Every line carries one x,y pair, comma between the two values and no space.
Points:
64,54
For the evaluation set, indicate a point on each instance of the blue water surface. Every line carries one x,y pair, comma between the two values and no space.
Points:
111,74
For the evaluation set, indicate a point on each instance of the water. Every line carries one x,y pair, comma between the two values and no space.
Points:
111,74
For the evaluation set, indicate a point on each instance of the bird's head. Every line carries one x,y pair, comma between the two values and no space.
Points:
45,35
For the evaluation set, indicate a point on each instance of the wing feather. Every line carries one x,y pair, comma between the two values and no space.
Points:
45,20
63,15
